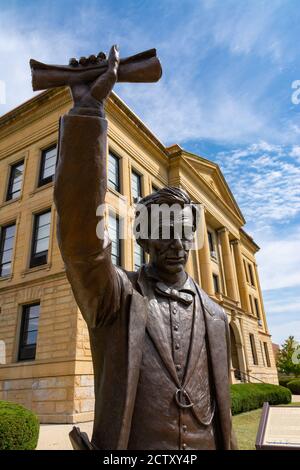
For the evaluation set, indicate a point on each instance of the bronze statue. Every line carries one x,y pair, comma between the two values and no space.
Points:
160,345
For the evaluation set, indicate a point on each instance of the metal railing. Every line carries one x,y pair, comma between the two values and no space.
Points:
245,377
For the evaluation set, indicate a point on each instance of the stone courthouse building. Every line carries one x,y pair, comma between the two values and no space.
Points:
45,355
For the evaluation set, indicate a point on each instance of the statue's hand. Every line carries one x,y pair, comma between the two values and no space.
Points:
89,97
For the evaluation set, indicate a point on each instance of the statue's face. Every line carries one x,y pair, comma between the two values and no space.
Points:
169,255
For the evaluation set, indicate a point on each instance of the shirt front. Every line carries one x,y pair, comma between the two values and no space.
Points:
158,422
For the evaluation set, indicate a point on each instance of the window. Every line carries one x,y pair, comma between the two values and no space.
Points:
136,186
114,234
251,303
40,239
246,270
257,311
6,248
139,256
29,330
48,164
267,354
251,274
253,349
15,181
113,172
262,353
211,244
216,283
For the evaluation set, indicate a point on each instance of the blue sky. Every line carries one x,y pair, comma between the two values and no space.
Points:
225,94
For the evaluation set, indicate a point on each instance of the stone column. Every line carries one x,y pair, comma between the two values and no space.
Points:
228,264
205,265
241,276
260,300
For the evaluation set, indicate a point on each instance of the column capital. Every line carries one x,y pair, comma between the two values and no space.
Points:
236,241
223,230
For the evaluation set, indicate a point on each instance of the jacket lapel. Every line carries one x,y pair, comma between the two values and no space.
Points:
197,340
155,327
136,333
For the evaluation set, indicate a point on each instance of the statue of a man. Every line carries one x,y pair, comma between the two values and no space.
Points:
160,345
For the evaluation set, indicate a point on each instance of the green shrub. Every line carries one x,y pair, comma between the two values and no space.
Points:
19,427
246,397
283,381
294,386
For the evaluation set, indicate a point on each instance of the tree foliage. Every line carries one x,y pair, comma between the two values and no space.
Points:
288,359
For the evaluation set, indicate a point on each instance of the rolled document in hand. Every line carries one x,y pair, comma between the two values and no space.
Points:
144,67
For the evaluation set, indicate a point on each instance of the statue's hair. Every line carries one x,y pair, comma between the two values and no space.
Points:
168,195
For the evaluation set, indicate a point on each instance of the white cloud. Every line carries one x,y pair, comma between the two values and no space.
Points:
279,260
265,179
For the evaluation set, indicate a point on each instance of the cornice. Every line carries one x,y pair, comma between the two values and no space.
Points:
248,240
33,110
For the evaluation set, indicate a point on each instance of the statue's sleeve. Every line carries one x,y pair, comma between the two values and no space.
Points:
79,190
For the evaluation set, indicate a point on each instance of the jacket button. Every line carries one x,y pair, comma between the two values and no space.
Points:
177,346
184,428
184,446
178,366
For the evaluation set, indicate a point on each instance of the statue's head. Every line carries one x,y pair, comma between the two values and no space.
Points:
165,224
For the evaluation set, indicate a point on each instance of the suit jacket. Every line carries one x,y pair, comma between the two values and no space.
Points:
112,301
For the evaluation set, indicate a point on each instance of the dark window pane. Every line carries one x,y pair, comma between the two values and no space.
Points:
246,270
48,165
6,269
253,349
216,283
136,186
31,337
29,331
40,241
15,181
257,308
139,257
113,172
6,257
6,249
251,274
114,234
267,354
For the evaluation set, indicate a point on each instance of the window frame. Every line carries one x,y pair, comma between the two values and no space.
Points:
2,241
140,185
251,275
27,352
110,184
34,259
217,283
119,228
49,179
246,270
135,267
253,349
267,355
9,194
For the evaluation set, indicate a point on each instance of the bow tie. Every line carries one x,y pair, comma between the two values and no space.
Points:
182,295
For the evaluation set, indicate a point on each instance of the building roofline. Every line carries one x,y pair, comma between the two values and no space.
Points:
28,105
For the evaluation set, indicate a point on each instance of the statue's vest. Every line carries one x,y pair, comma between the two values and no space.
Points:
169,414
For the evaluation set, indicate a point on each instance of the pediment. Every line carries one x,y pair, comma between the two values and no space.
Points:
210,172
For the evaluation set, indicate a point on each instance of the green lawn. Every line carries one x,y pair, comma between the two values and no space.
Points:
246,426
